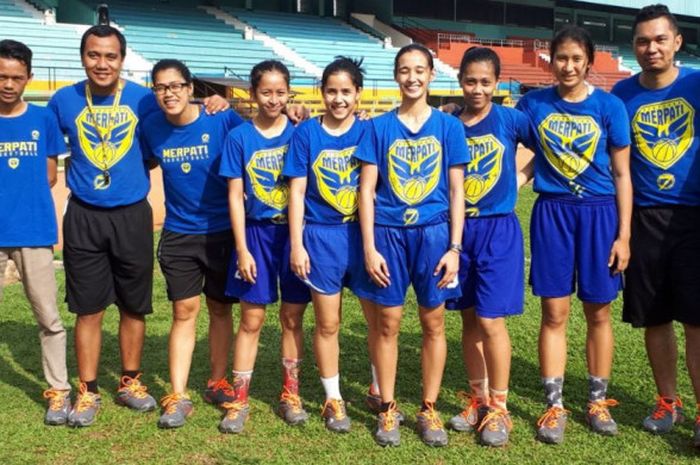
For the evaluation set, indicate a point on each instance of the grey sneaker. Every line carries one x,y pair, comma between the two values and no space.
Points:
551,425
374,403
696,432
430,427
176,409
335,416
291,409
470,418
58,407
495,428
133,394
218,392
85,409
236,415
387,433
664,415
599,419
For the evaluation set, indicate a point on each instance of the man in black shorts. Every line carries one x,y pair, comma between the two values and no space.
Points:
663,278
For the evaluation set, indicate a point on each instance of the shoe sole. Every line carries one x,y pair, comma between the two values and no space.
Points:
435,443
56,423
388,443
80,425
460,429
546,440
140,410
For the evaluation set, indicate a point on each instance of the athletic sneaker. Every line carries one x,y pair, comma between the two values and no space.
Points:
430,427
551,425
235,417
176,409
58,406
470,418
218,392
335,416
133,394
495,428
291,409
387,433
696,432
85,409
374,403
664,415
599,419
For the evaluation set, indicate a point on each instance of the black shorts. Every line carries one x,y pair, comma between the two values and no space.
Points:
663,277
108,257
195,263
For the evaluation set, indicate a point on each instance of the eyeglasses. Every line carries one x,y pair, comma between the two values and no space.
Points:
174,87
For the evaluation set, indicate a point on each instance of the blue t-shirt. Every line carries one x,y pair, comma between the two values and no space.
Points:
573,141
490,180
258,160
413,183
121,153
332,171
196,197
27,215
664,123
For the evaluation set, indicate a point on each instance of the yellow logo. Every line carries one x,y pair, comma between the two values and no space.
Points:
414,168
101,182
264,170
337,176
665,181
35,135
569,142
116,128
410,216
13,163
484,169
186,167
205,138
664,131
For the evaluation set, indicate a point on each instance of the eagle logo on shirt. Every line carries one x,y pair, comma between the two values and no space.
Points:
664,131
414,168
116,128
264,169
484,169
337,176
569,142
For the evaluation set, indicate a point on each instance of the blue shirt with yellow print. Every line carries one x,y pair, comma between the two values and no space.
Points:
490,179
332,171
413,183
573,141
664,124
258,160
106,162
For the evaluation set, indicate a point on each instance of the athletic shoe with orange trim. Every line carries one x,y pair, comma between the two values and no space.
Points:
495,428
666,413
176,409
291,408
236,415
218,392
470,418
599,419
387,432
374,403
335,416
85,409
551,425
134,394
430,427
58,406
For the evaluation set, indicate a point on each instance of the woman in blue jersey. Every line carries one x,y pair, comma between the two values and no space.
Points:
580,227
195,244
252,161
413,163
492,260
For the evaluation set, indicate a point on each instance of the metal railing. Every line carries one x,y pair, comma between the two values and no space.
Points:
444,38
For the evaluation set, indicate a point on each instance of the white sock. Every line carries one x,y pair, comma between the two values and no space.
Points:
375,383
332,387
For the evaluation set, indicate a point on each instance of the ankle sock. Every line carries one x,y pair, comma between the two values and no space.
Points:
131,373
241,384
597,388
480,389
291,368
92,386
553,391
331,386
498,399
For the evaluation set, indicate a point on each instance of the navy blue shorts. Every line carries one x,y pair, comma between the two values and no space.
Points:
491,267
411,255
570,243
269,245
336,256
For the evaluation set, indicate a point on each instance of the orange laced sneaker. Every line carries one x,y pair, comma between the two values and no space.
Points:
218,392
291,408
495,427
58,408
176,409
134,394
85,409
387,432
599,419
551,425
335,416
472,415
236,415
430,427
664,415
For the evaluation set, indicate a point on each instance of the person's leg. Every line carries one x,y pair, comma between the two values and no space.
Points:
327,309
292,343
473,356
497,356
662,351
220,337
132,333
433,350
386,349
552,344
692,356
370,312
181,342
88,344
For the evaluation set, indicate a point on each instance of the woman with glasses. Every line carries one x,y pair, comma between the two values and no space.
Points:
196,242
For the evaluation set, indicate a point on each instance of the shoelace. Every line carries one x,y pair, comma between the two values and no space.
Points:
492,419
432,417
291,399
133,386
336,406
663,408
171,401
471,409
551,417
57,399
388,418
222,385
599,408
86,399
233,408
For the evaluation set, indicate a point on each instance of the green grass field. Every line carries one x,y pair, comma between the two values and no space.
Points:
124,437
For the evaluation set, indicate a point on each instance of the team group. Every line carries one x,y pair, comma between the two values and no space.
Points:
274,208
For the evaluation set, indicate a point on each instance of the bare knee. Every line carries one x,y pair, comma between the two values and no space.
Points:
555,319
328,327
492,327
432,323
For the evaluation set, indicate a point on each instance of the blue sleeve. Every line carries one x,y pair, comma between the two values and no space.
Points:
232,157
147,106
617,123
522,129
296,160
455,144
55,107
366,150
231,120
146,149
55,144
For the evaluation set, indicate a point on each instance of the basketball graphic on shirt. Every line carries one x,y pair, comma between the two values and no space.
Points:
263,171
337,176
569,142
414,168
484,168
410,216
664,131
105,134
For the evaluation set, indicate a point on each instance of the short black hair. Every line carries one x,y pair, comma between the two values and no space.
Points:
267,66
411,48
651,12
104,30
14,50
169,63
575,34
477,55
344,64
